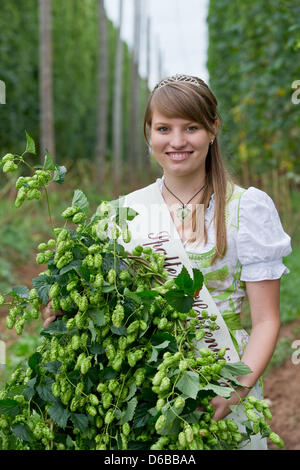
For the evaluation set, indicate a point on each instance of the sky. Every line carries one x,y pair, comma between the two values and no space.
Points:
178,29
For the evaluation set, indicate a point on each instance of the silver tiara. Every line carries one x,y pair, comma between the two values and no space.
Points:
178,78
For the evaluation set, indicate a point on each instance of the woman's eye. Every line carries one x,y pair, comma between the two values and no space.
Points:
192,128
162,129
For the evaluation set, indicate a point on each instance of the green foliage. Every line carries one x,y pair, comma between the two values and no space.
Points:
19,352
290,296
253,59
121,369
75,73
19,71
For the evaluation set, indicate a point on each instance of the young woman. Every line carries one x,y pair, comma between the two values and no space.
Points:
239,242
244,242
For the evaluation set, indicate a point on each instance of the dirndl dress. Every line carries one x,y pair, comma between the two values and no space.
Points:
256,245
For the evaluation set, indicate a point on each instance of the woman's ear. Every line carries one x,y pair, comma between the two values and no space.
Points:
216,127
215,130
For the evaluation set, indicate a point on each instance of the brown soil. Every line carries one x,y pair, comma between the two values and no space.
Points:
282,388
281,384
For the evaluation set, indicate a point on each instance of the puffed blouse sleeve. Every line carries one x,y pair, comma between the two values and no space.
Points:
261,240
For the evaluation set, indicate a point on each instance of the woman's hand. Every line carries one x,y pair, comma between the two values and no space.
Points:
221,404
48,315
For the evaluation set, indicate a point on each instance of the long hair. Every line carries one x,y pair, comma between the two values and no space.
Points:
198,104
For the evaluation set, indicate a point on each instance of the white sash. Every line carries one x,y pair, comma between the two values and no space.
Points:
154,227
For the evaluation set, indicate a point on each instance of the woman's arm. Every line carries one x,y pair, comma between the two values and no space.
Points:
264,301
48,315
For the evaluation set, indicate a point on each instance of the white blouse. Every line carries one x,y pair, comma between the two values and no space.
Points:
261,242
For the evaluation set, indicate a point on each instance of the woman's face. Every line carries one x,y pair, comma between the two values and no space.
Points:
180,146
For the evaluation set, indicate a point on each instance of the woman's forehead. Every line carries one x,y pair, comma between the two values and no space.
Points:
158,117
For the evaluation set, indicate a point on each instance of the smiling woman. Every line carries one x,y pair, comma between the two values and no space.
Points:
181,121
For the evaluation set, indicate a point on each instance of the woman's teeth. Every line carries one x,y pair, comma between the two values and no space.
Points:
179,156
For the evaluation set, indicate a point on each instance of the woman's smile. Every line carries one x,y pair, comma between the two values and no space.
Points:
179,156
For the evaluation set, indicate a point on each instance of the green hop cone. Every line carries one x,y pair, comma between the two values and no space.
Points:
93,399
179,402
83,304
20,181
75,342
42,247
9,157
79,217
165,384
94,249
91,410
276,439
20,325
51,243
118,316
9,166
21,196
182,440
54,290
189,435
160,423
126,429
34,194
64,260
10,322
70,212
159,404
109,417
43,177
251,415
157,379
111,277
40,258
139,376
70,323
85,365
138,250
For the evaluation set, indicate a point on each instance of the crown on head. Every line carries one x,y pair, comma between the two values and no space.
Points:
178,78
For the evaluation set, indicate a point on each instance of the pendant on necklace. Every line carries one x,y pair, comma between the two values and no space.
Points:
183,212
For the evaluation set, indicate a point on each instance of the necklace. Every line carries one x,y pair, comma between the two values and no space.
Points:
183,212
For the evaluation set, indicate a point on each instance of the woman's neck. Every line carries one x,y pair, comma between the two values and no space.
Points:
184,188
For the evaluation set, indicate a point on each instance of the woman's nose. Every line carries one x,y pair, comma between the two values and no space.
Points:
178,140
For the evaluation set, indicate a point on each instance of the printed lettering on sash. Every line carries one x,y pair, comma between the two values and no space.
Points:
154,227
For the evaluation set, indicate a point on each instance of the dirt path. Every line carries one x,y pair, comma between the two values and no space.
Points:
282,388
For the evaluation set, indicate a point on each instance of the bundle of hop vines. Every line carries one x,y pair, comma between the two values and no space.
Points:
120,368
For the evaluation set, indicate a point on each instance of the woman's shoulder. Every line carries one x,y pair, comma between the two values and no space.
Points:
259,222
255,200
261,240
248,196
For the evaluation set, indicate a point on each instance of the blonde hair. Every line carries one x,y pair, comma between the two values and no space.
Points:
198,103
